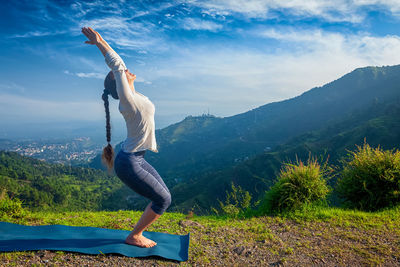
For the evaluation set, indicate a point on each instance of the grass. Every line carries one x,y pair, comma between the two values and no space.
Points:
387,218
299,237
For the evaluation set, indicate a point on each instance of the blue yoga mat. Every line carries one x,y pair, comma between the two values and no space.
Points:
89,240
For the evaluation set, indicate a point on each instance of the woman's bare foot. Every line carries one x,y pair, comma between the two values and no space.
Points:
140,241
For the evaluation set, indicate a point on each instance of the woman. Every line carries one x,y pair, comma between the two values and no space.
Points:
130,165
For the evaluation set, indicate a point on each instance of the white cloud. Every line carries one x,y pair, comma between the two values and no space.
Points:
80,10
12,87
36,34
392,5
127,34
90,75
199,24
95,75
252,8
142,80
230,80
291,34
369,49
100,76
338,10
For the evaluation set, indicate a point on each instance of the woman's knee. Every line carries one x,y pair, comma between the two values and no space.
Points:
168,199
162,203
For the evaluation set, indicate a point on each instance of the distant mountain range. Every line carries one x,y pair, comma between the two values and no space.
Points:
197,144
378,124
206,143
326,120
199,156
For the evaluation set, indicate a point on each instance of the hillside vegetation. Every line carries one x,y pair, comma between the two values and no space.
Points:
271,124
43,186
199,144
302,231
378,124
200,156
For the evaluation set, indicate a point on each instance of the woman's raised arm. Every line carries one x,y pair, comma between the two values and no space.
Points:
96,39
114,62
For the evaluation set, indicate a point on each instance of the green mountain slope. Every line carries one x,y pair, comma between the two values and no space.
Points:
379,124
200,156
217,142
206,143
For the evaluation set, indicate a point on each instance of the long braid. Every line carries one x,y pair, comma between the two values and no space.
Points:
108,151
106,106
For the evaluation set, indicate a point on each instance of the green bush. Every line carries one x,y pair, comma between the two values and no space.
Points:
297,185
10,207
370,179
237,203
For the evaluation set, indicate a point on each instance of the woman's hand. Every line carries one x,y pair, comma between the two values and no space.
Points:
93,36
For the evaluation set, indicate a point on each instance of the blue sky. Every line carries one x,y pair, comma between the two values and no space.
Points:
189,56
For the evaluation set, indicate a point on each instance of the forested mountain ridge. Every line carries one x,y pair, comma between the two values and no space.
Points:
378,124
207,143
200,156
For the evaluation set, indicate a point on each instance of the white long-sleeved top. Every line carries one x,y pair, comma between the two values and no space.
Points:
137,109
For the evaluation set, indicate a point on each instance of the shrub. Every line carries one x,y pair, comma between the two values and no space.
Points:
370,178
237,203
297,185
10,207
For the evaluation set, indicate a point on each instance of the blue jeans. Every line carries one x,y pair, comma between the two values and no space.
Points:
141,177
